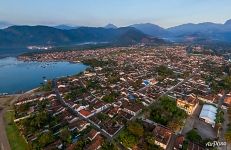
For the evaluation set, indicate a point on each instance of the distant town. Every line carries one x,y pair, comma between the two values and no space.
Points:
138,97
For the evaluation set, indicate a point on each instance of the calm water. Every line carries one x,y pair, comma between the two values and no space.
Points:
16,76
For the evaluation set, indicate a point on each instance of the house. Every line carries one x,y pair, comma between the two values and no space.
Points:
211,98
132,108
100,106
162,136
95,144
112,112
85,113
92,134
189,104
208,114
178,144
82,125
55,145
227,100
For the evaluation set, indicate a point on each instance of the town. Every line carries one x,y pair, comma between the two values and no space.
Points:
138,97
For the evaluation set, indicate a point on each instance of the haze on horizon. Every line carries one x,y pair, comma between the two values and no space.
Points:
166,13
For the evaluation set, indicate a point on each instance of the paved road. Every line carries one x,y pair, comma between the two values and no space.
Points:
190,121
74,112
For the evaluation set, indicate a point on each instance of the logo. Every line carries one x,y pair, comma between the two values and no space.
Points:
215,144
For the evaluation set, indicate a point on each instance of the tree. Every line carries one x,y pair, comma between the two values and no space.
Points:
47,86
127,139
167,113
193,136
164,71
45,139
110,97
175,124
150,140
108,146
228,136
136,129
80,144
227,83
65,135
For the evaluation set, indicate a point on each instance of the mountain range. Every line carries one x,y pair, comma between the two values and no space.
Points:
21,36
18,36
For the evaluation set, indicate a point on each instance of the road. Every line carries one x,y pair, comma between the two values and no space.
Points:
88,120
224,128
74,112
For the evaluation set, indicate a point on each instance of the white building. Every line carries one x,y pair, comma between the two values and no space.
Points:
208,114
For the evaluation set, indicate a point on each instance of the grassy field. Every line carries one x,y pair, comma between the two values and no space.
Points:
16,141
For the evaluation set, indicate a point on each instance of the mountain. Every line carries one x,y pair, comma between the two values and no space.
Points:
21,36
110,26
228,22
151,29
65,27
4,24
202,32
195,28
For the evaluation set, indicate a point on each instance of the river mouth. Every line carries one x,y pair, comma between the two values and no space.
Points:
19,76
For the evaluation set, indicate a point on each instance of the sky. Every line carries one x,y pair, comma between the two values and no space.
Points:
166,13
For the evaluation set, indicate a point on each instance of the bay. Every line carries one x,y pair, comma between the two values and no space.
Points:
19,76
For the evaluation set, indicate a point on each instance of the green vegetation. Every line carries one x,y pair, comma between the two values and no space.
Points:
136,84
36,122
164,71
128,139
47,86
45,139
136,129
65,135
136,135
108,146
80,144
228,136
228,132
73,94
113,79
224,84
110,97
219,116
16,141
93,84
167,113
193,136
131,134
102,116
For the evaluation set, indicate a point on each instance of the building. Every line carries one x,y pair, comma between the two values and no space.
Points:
178,144
162,136
227,101
208,114
189,104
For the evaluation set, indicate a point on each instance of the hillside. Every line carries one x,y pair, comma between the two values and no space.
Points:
20,36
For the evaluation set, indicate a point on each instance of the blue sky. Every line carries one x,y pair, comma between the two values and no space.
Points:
165,13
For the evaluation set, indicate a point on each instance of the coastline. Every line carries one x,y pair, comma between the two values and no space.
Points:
15,76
